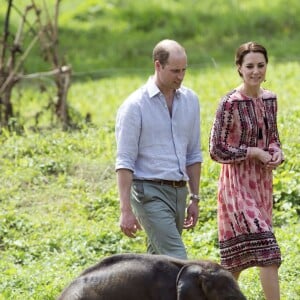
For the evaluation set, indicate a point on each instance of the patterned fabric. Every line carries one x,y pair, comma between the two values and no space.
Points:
245,186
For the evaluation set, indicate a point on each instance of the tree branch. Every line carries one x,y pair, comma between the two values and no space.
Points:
5,35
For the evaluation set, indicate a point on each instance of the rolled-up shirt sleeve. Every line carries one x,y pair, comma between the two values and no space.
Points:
128,126
194,152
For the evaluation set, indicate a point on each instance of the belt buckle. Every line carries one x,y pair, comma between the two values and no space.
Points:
176,184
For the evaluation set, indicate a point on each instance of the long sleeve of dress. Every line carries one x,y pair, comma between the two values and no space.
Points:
242,122
225,146
271,113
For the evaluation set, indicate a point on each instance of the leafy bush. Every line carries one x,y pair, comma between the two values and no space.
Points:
59,205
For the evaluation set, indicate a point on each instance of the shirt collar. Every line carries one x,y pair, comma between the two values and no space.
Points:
153,90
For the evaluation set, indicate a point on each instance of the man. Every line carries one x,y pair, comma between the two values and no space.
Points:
158,152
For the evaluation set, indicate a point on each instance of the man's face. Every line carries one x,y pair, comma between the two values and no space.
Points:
171,75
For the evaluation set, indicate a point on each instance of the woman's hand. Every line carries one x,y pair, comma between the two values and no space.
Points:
264,156
277,158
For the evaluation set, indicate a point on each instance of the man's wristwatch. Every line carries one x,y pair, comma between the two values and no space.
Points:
194,197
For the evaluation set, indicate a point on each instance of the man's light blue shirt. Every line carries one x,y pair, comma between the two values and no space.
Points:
151,142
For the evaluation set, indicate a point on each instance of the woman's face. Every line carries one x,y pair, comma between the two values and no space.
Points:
253,69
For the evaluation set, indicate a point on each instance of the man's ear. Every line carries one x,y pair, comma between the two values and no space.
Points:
157,64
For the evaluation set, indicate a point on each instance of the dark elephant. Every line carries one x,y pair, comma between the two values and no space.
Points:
153,277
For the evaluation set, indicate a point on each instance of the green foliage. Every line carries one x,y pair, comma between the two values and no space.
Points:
59,205
96,36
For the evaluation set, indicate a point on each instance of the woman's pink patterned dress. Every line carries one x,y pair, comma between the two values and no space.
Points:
245,197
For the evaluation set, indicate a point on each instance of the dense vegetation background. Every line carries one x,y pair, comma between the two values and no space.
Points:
58,199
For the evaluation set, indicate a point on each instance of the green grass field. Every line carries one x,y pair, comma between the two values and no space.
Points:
58,198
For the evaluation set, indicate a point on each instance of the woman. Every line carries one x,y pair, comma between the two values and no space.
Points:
244,139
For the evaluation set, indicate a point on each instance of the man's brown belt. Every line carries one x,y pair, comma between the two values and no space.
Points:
176,184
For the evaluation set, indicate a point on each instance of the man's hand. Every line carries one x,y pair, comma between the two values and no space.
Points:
192,215
129,224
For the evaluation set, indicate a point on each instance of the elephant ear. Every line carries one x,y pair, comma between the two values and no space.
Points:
189,283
